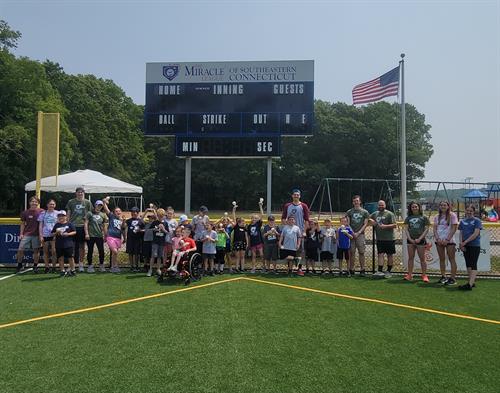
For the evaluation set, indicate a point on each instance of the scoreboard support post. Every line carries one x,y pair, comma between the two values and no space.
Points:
269,183
187,186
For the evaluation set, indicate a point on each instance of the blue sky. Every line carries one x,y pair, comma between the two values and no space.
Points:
452,53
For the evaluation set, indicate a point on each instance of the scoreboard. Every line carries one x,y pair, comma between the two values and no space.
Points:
255,101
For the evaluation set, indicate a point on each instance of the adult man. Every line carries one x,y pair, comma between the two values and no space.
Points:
29,238
384,223
358,220
298,210
77,210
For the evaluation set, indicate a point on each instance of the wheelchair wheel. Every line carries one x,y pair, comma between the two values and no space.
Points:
195,266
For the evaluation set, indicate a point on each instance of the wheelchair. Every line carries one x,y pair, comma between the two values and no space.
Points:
190,268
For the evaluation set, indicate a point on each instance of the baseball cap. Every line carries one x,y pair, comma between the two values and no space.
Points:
135,209
203,209
99,202
296,190
183,217
61,213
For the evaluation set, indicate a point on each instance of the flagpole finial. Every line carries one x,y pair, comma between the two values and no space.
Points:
402,55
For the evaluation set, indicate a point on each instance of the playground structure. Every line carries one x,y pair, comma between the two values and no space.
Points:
334,195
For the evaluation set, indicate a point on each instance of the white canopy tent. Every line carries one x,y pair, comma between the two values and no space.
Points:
93,182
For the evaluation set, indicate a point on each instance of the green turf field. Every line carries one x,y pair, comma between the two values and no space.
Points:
246,336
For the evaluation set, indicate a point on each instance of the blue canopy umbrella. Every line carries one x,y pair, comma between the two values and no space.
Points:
475,194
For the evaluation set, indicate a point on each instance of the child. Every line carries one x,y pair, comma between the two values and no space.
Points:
158,243
328,247
240,241
220,248
312,245
47,220
199,222
95,227
171,225
209,238
133,238
271,237
416,227
116,232
289,243
188,245
29,237
65,244
256,241
177,253
344,236
150,217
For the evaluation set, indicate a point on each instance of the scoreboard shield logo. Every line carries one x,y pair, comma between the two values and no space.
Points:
170,71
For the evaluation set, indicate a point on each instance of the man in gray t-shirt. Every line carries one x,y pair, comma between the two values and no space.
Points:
358,220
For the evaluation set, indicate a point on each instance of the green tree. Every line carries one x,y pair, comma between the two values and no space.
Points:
8,37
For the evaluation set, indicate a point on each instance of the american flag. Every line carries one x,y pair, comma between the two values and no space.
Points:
376,89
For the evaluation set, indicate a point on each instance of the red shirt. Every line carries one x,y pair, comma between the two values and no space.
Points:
188,244
30,219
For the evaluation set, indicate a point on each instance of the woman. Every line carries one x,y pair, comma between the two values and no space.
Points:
445,226
470,240
47,219
416,228
95,232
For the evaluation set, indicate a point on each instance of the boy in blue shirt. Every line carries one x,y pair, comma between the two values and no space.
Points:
344,237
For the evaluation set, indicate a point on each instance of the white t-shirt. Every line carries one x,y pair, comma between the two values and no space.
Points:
443,229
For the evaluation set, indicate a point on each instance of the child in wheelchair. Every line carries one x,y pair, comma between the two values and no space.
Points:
183,245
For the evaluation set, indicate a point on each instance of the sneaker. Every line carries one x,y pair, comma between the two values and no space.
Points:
90,269
300,272
442,280
450,281
158,272
408,277
150,273
62,274
81,269
71,273
466,287
172,268
263,270
231,271
102,269
362,273
35,269
378,274
46,270
425,278
352,272
252,271
387,274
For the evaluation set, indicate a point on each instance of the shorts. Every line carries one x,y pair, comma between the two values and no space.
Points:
326,256
80,235
146,249
257,247
208,256
219,256
343,253
449,244
287,253
29,243
156,250
420,243
113,242
386,247
134,246
312,253
64,252
271,252
471,255
359,244
240,246
48,238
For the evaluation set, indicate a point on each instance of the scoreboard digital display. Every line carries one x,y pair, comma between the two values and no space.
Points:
230,99
198,147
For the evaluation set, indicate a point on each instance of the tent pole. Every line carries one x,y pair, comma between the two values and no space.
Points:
141,203
25,200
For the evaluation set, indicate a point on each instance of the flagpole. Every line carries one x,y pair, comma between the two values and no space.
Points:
403,155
